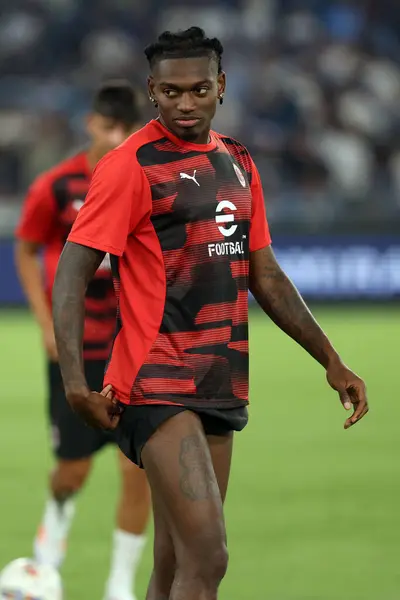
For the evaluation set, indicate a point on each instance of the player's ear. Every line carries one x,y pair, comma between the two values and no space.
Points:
221,84
151,88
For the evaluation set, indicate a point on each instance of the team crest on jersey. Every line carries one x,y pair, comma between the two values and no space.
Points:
239,175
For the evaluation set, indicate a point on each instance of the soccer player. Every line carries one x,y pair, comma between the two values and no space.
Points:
50,209
180,209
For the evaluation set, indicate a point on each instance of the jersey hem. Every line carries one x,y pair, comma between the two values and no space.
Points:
261,246
189,403
76,239
130,400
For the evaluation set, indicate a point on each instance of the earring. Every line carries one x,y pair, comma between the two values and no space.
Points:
154,101
221,98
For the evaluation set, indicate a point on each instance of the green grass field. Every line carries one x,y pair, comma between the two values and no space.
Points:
312,511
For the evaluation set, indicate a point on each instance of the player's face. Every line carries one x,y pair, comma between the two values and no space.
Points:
105,133
187,91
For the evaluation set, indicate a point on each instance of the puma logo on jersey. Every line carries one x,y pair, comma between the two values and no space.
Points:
192,177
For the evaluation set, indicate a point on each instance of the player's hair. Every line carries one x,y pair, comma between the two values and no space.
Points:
118,100
189,43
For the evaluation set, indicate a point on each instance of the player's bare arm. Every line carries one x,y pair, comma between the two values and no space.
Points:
280,300
30,275
76,268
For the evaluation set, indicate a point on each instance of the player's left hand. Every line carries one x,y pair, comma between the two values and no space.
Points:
98,410
351,389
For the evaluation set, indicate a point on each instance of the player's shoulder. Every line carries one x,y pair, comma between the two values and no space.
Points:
230,142
126,153
237,150
74,165
145,135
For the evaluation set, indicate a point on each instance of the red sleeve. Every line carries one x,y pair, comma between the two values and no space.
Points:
39,213
114,204
259,230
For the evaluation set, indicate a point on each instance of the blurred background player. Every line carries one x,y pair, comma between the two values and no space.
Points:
50,208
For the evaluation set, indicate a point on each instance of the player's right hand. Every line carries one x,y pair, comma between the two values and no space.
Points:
351,388
49,342
101,411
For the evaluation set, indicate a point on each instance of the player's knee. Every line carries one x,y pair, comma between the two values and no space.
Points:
208,558
69,476
216,563
164,554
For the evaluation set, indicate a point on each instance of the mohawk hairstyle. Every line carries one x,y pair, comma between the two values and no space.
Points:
191,43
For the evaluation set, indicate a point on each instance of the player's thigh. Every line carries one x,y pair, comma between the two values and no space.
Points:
221,454
219,426
71,439
221,447
134,479
179,467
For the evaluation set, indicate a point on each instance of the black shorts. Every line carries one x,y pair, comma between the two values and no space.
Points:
71,438
139,422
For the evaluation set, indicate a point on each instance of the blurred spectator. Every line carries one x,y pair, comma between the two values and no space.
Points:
313,91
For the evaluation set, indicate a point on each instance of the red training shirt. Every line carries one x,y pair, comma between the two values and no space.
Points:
51,206
178,220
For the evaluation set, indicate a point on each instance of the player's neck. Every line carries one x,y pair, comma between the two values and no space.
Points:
92,157
203,138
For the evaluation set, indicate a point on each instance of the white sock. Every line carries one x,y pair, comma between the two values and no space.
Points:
126,554
51,539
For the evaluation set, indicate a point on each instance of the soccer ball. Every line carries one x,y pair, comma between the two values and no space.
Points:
24,579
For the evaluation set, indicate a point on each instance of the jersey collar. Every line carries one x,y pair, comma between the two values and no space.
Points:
188,145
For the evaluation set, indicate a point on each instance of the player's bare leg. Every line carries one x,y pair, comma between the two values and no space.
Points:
164,568
129,537
179,466
135,501
66,480
68,477
164,554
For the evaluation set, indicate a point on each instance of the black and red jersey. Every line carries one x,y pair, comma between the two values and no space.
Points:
50,209
179,220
